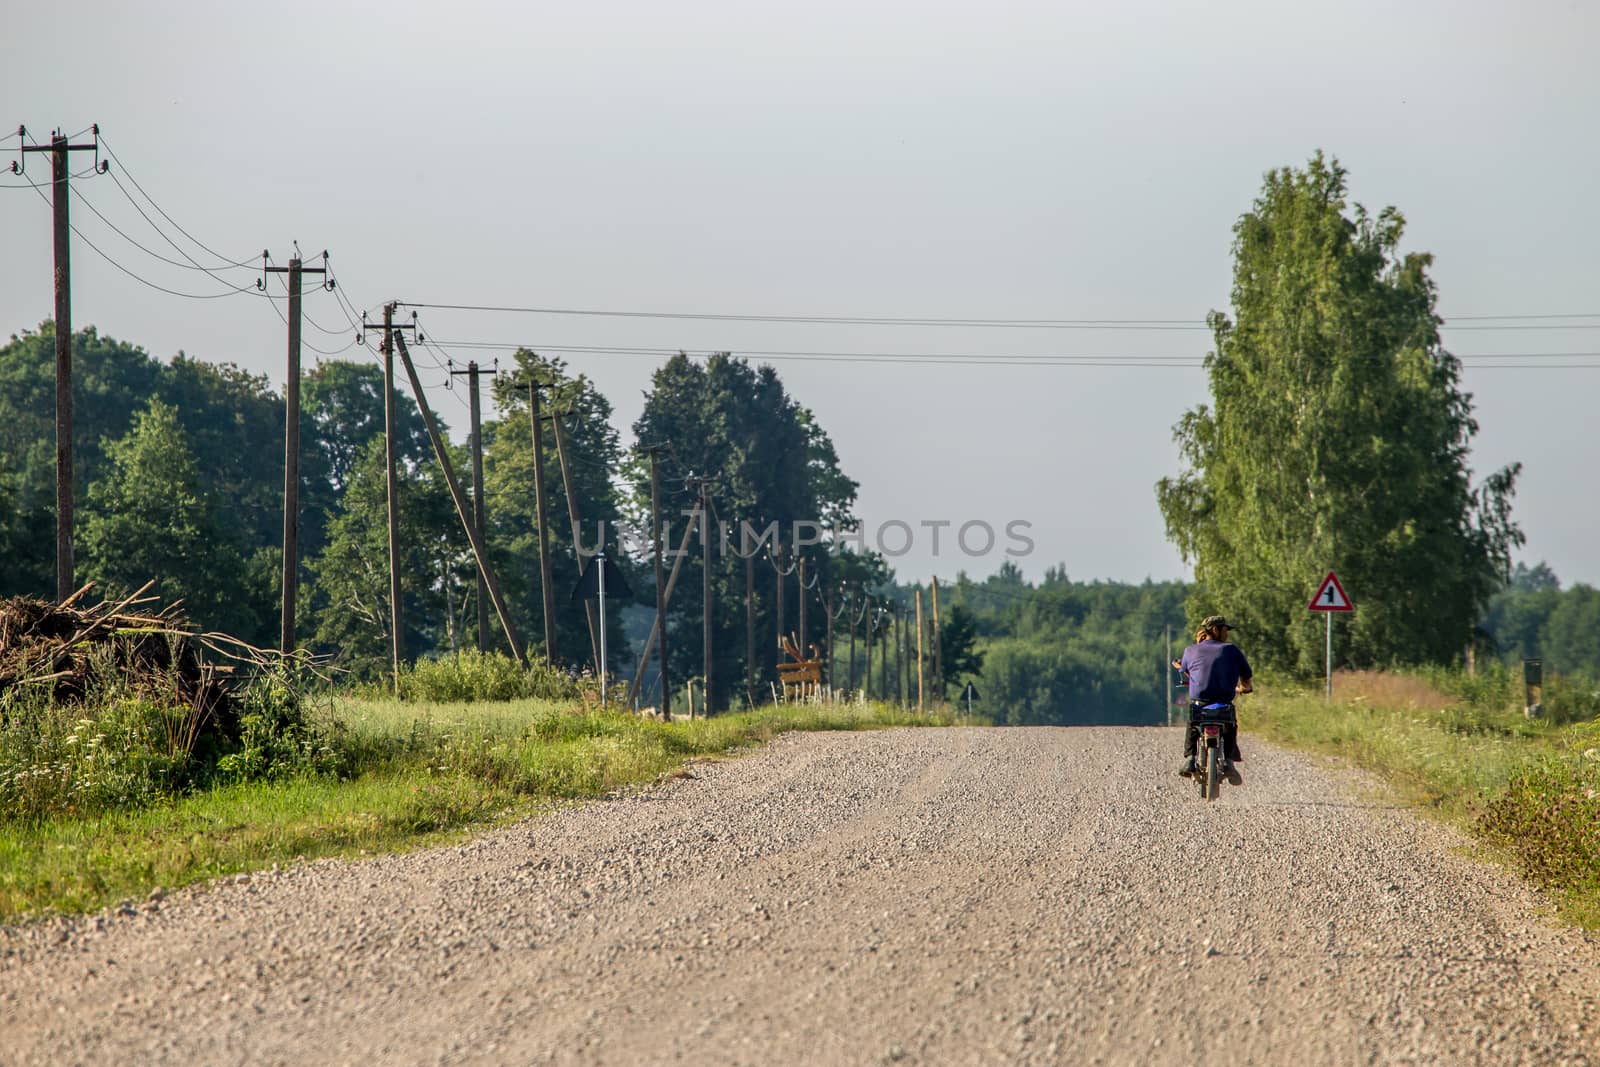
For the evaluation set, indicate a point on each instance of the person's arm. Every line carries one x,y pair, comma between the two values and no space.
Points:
1246,684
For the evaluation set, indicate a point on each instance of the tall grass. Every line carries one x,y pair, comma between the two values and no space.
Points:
1462,747
359,774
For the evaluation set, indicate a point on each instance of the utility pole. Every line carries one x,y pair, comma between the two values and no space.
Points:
661,592
476,415
749,617
900,652
827,606
60,197
546,590
689,530
705,592
855,621
781,580
801,569
883,660
291,445
919,652
478,551
577,529
938,658
396,605
868,640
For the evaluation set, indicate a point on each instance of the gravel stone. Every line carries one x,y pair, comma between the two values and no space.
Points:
911,896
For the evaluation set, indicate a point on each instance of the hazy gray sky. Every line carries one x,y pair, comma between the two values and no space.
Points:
999,160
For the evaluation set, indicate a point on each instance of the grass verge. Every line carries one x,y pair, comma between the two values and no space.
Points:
1529,789
415,774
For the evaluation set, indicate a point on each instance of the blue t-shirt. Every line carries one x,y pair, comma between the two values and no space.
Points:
1215,669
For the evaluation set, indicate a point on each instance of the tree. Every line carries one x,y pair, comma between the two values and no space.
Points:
1571,638
111,382
594,461
770,462
1337,437
959,655
1515,623
150,517
350,613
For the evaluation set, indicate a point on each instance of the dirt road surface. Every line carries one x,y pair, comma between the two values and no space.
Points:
911,896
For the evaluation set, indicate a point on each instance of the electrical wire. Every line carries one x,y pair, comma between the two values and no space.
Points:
138,278
250,261
191,265
975,322
836,320
196,241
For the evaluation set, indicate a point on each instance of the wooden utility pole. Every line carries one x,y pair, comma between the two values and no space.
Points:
900,652
781,578
855,620
475,411
800,568
749,619
883,660
672,583
827,640
867,639
938,658
60,197
460,500
291,448
661,592
396,606
577,532
546,589
705,593
920,705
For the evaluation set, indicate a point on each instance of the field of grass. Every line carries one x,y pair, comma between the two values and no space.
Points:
390,775
1461,750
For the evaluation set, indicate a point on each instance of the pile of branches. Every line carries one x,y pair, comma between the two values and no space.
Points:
74,652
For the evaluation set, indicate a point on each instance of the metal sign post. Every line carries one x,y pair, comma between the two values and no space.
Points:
1330,598
600,576
601,557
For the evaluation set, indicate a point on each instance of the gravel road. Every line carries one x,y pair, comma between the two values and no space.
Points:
918,896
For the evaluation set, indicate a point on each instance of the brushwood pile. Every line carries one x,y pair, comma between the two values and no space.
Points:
72,653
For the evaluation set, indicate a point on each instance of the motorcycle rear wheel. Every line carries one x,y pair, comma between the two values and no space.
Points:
1208,784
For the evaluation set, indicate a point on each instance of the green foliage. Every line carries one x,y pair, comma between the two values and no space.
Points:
472,676
1337,438
959,655
1072,652
594,456
771,462
278,738
150,517
1548,819
350,595
118,749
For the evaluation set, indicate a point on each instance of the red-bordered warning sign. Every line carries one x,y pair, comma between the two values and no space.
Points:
1331,596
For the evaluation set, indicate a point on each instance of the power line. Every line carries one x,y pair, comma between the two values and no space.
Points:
197,242
853,357
972,322
957,359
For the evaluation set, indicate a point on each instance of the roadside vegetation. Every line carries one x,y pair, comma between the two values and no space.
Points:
110,799
1462,748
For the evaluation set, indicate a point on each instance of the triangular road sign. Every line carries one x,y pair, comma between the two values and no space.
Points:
1331,596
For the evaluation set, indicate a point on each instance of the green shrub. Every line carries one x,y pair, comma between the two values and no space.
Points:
276,736
474,676
1548,819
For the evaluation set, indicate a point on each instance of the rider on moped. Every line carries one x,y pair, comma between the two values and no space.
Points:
1215,670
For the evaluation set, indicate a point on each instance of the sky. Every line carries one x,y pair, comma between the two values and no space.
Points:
996,161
